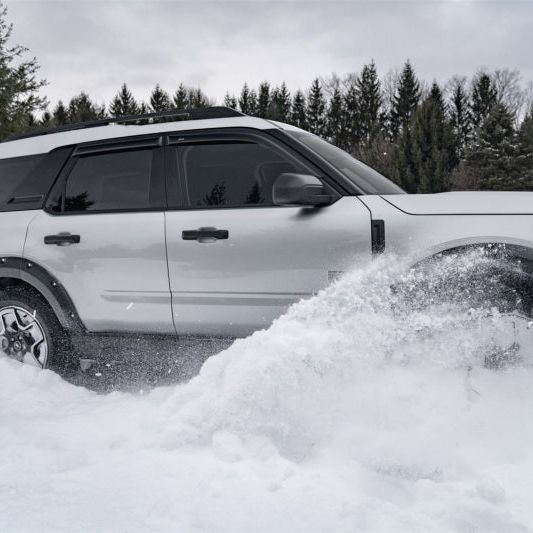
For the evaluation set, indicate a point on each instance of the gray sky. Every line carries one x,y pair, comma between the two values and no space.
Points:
96,45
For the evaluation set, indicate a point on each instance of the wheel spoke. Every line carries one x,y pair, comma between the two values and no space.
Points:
24,320
23,336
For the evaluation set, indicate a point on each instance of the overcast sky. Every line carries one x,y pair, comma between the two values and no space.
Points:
96,45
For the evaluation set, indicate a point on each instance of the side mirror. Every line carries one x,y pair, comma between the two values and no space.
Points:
299,189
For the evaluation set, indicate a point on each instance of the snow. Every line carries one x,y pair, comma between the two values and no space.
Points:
353,412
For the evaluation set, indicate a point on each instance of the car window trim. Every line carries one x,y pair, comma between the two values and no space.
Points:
157,183
176,197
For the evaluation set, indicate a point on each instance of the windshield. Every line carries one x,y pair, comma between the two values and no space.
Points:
364,177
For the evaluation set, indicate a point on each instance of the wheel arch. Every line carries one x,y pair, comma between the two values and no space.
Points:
515,248
16,271
520,280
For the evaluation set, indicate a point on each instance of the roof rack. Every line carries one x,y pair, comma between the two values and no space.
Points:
188,114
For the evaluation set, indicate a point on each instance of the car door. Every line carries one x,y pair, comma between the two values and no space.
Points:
102,236
237,261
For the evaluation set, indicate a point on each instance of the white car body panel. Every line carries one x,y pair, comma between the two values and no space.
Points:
421,236
274,256
116,276
464,203
12,241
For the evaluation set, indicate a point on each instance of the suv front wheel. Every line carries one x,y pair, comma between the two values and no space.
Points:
30,332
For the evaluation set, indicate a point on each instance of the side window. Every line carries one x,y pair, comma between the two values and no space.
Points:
110,181
232,174
13,171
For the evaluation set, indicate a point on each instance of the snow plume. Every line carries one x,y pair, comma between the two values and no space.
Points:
374,406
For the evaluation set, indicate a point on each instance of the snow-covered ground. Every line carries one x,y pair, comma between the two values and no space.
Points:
348,414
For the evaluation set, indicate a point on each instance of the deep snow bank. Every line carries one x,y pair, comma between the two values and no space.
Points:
356,411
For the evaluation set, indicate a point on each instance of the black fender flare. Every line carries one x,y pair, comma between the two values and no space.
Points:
47,285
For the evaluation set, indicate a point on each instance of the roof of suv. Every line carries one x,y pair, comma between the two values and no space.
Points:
44,143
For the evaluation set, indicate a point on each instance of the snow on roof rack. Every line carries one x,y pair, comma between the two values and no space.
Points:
189,114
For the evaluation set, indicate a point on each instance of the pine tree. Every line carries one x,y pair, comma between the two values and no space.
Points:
525,151
349,139
405,101
492,162
47,120
403,162
280,104
298,115
230,101
82,109
180,100
253,103
19,84
60,115
198,99
334,128
159,100
244,100
484,97
369,102
316,108
381,155
460,118
431,145
263,100
123,103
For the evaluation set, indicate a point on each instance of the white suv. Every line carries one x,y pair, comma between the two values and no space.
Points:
210,226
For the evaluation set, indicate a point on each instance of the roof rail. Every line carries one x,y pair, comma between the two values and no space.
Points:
187,114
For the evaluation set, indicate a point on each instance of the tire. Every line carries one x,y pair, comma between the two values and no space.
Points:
489,279
25,317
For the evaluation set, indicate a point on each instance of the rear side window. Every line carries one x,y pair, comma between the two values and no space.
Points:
232,174
13,172
110,182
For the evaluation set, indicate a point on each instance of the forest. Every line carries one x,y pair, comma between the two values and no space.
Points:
469,133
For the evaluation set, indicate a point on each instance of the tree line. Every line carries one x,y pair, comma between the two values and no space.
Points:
468,134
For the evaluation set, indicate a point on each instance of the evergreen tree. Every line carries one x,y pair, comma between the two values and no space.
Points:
253,102
255,196
263,100
197,99
230,101
280,104
19,84
381,155
316,109
525,151
484,97
180,100
123,103
350,119
298,116
159,100
334,117
60,115
47,120
245,100
460,118
184,98
404,171
369,102
431,145
492,162
405,101
82,109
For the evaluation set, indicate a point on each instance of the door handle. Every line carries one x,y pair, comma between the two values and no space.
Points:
62,239
204,234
